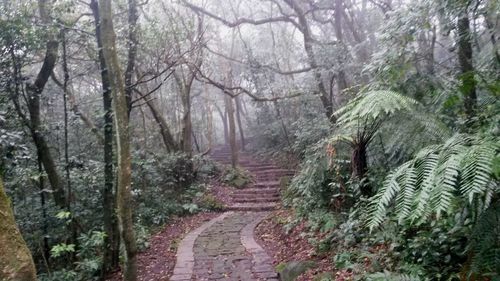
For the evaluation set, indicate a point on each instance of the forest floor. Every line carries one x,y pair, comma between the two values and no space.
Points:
287,245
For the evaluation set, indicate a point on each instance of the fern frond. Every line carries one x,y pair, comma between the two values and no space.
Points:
404,201
384,197
372,105
460,169
477,169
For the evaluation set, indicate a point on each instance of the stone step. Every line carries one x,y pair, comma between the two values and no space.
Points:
273,171
258,191
269,178
252,207
256,199
261,167
270,196
266,184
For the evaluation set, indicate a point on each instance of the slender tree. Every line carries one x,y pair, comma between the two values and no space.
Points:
112,242
34,92
468,87
121,125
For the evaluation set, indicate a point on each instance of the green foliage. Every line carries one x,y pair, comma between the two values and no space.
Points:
236,177
62,249
459,170
88,266
142,236
166,185
372,106
391,276
438,247
210,202
485,243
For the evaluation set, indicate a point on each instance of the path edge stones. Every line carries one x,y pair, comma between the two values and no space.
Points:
184,264
262,265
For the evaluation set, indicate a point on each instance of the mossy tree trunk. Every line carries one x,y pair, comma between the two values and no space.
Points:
16,263
112,242
121,122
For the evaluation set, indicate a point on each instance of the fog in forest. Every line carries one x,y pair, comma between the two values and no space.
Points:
249,140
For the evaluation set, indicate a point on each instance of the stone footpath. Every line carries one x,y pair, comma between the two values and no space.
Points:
224,248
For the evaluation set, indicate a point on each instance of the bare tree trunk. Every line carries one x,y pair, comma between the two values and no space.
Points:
133,16
69,198
16,263
240,125
468,87
341,79
41,186
34,92
223,117
308,46
210,124
232,130
187,125
282,122
112,240
121,122
166,135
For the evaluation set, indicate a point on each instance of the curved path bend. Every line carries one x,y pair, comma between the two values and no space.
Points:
224,248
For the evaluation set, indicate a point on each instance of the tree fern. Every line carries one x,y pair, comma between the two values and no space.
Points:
459,169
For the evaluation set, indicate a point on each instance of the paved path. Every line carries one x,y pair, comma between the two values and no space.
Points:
224,248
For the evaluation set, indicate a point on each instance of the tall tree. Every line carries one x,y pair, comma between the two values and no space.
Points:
16,263
468,86
112,242
121,125
34,92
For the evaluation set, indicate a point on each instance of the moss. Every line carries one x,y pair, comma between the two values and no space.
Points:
16,262
237,177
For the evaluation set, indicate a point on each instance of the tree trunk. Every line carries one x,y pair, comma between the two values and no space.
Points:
34,91
311,57
282,122
69,198
133,16
232,130
223,117
240,125
112,240
187,126
210,124
121,122
166,135
341,76
16,263
468,87
359,167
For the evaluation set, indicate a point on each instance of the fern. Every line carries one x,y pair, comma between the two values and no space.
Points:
485,242
373,105
461,169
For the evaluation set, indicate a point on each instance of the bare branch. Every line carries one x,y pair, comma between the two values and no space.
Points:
240,21
234,91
